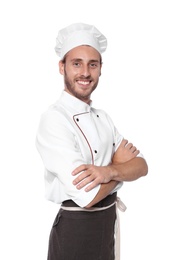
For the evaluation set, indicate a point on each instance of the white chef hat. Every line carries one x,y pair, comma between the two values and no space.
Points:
79,34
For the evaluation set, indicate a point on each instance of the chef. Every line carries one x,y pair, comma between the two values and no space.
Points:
86,159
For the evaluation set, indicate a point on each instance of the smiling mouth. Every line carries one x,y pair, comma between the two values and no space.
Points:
81,82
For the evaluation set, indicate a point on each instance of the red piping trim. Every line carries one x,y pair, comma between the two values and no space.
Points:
92,157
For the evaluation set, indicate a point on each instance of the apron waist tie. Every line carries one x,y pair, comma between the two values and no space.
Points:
119,205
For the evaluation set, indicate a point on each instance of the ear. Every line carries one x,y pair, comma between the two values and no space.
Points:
61,67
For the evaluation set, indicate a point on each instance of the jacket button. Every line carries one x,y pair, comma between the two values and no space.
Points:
77,119
95,151
113,144
97,115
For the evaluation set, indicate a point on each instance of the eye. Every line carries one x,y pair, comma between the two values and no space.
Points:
76,64
93,65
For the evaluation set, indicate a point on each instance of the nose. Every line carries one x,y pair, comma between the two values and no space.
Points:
85,71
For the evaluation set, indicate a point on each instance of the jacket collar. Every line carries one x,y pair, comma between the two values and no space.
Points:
74,104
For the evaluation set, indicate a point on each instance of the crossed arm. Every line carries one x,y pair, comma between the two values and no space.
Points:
125,166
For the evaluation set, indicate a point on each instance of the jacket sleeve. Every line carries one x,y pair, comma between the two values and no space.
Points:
57,144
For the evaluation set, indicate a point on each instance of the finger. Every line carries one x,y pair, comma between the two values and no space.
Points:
85,182
129,146
133,149
79,169
92,185
124,142
81,177
136,152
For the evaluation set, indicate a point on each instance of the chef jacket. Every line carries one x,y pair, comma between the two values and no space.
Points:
72,133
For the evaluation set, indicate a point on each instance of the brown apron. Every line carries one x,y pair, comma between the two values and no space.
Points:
83,235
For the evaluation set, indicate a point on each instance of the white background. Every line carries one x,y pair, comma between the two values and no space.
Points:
135,89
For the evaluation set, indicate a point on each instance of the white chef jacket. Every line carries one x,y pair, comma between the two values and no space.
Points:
72,133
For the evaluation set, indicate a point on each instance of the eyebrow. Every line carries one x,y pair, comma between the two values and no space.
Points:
79,60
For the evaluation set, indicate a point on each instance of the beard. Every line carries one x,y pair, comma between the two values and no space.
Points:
70,85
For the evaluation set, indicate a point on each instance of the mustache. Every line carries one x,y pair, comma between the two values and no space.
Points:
84,78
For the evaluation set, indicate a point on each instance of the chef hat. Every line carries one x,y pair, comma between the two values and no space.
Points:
79,34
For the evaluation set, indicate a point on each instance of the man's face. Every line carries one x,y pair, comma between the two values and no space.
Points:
81,71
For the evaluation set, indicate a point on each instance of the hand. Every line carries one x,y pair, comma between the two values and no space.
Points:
125,152
91,174
103,174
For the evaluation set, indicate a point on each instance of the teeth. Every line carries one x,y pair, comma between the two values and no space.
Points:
83,82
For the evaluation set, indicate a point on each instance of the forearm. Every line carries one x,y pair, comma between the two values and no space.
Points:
125,166
130,170
105,190
90,175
